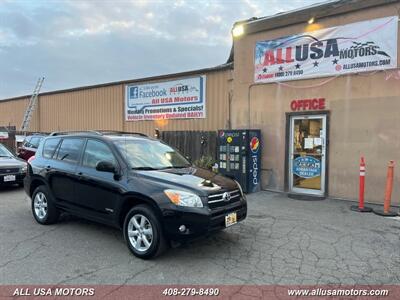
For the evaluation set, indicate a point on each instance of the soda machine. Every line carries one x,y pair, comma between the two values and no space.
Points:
239,157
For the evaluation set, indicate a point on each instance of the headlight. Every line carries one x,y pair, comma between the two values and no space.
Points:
24,169
182,198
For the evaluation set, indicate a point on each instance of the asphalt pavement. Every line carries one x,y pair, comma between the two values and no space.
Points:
283,241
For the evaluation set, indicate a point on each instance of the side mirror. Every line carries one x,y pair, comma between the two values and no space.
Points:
106,166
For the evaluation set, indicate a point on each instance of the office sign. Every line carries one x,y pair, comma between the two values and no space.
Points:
177,99
357,47
308,104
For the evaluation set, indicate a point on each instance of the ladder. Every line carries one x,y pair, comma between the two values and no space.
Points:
31,106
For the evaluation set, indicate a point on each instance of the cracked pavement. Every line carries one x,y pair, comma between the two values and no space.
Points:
283,241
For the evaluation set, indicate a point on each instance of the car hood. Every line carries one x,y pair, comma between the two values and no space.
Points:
192,178
7,162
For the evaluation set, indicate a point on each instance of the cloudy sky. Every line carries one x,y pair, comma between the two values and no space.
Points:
75,43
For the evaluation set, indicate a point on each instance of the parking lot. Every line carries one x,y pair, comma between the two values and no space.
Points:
283,241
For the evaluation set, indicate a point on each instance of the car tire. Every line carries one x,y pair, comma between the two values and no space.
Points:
21,184
147,239
43,209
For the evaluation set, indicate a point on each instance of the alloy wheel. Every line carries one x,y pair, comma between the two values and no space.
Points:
140,233
40,205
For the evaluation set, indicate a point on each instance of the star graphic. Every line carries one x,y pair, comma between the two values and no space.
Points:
298,66
265,70
280,68
316,64
335,61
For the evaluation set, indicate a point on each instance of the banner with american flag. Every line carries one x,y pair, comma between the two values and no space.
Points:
351,48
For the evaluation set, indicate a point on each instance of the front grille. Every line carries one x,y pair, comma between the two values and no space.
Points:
223,199
9,170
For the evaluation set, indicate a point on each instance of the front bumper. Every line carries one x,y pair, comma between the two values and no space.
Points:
199,221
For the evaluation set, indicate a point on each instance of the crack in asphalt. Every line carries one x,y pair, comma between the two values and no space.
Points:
30,239
19,259
127,280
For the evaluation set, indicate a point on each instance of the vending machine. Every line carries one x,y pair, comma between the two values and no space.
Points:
239,157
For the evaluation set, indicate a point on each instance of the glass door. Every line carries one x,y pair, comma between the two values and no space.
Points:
307,154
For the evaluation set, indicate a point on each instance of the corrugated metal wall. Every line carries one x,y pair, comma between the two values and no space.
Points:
97,108
12,112
103,108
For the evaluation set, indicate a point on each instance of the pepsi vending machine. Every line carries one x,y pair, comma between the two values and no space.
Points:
239,157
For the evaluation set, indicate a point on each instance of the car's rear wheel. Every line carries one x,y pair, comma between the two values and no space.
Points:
43,208
143,232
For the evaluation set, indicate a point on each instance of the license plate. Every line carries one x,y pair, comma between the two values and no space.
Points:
230,219
9,178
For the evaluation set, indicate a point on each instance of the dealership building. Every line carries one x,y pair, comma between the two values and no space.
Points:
321,83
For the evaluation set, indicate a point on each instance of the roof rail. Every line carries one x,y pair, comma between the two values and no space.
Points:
111,132
96,132
56,133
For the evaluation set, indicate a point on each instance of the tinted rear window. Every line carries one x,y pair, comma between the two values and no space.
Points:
49,147
70,150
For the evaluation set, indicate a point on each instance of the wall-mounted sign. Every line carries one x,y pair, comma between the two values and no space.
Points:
357,47
308,104
307,167
177,99
3,135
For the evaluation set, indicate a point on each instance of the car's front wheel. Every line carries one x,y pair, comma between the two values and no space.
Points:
43,208
143,232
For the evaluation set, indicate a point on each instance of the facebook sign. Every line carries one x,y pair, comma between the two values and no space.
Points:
174,99
134,92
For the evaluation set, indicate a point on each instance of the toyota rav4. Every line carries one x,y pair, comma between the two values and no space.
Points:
133,182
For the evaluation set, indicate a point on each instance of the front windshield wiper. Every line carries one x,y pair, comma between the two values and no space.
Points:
161,168
5,156
180,167
145,168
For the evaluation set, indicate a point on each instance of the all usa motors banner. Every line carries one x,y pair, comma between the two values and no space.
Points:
357,47
177,99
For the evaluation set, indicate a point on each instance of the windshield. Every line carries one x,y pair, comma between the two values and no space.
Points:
4,152
150,155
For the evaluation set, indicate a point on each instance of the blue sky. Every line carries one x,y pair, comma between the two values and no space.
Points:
75,43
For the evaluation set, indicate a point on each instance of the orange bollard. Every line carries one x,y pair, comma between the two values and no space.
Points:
361,207
386,212
389,187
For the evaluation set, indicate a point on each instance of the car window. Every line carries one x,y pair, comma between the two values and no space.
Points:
26,141
34,142
70,149
95,152
49,147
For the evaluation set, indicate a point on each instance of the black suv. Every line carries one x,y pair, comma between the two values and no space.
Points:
133,182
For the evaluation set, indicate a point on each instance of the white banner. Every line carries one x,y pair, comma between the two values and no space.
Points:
357,47
178,99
